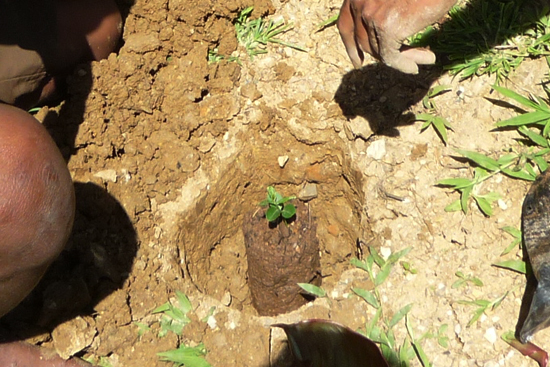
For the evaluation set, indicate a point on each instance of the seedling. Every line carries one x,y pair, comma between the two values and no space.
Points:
516,265
379,328
464,279
174,318
516,233
431,118
186,356
255,34
329,22
277,207
524,165
483,306
313,290
174,315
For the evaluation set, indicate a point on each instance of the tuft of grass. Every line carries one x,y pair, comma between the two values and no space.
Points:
533,126
380,328
465,279
489,37
255,34
174,318
483,306
432,118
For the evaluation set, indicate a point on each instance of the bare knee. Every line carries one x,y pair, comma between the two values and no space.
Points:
36,204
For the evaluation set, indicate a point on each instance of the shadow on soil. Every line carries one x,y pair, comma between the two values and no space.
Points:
382,95
96,262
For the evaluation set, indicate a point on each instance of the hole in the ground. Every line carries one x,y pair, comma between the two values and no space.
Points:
212,234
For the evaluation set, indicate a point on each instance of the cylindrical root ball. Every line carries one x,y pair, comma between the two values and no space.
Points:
279,257
37,204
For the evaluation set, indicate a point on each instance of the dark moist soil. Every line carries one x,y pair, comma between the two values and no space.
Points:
280,255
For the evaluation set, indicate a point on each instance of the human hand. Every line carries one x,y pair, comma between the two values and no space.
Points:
379,27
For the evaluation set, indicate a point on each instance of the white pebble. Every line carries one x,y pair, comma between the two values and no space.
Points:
377,149
282,160
491,335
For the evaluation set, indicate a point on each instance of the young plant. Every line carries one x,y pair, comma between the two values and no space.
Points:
483,306
277,206
174,315
431,118
380,329
464,279
254,35
516,265
524,165
313,290
174,318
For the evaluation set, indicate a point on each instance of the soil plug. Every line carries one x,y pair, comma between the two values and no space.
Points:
281,252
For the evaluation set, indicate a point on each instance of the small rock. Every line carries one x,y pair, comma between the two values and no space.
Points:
308,192
385,252
72,337
226,299
107,175
377,149
491,335
282,160
333,230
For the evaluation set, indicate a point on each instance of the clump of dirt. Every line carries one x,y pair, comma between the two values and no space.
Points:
280,255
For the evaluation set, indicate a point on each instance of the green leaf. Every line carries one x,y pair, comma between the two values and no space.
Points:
424,117
514,265
480,159
439,89
533,136
484,205
399,315
512,231
376,257
515,96
359,264
456,183
367,296
464,196
187,356
184,303
535,117
518,174
453,207
313,289
439,125
288,211
382,275
263,203
393,258
272,213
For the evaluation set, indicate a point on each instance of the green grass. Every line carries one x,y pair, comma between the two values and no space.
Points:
489,37
523,162
380,328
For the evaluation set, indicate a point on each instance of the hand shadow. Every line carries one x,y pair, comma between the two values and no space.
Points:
382,95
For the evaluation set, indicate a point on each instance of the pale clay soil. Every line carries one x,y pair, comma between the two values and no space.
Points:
187,149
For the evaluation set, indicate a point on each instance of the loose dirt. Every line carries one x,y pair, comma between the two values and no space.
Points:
169,152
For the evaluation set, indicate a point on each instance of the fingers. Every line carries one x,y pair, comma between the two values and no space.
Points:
420,56
346,27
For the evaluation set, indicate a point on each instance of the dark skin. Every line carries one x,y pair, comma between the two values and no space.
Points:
37,201
378,27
